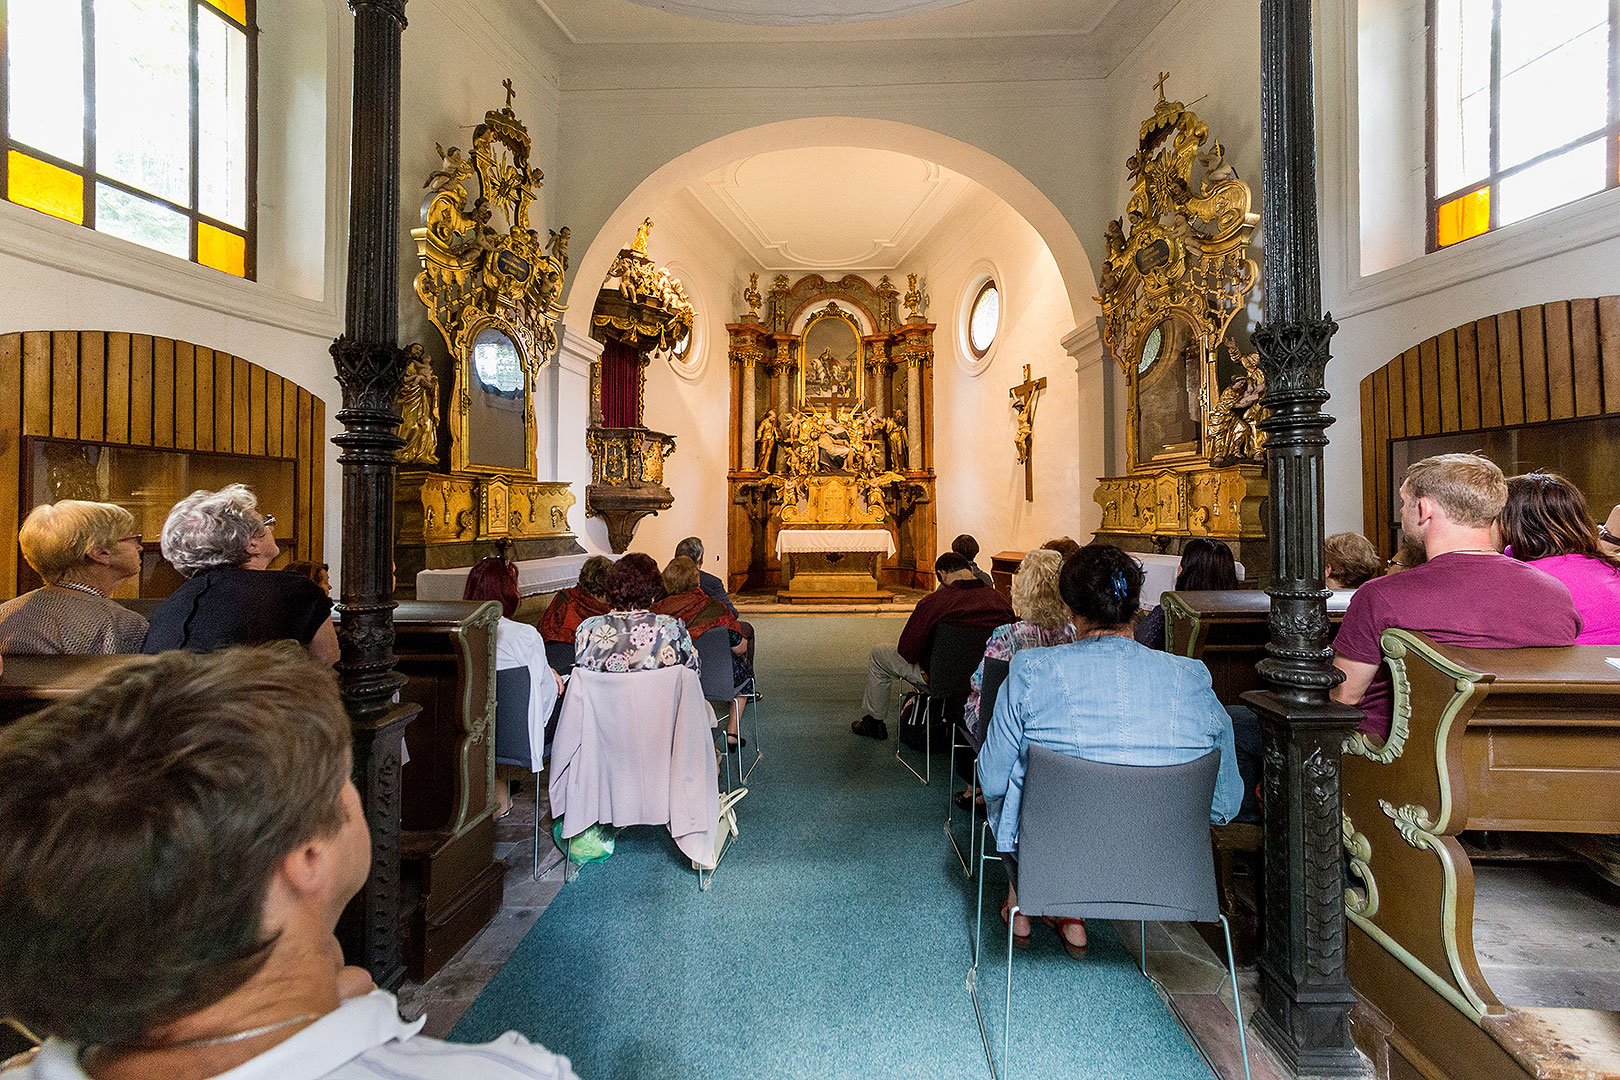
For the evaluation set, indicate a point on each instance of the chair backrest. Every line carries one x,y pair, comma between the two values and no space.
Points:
560,655
954,656
714,658
1117,841
512,717
995,673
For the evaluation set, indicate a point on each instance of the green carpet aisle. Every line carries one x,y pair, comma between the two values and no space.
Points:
835,940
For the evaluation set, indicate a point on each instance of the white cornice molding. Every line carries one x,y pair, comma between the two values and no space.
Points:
1084,344
576,352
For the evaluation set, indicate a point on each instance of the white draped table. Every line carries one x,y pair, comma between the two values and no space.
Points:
833,565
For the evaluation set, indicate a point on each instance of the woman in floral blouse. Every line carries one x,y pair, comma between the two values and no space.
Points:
630,637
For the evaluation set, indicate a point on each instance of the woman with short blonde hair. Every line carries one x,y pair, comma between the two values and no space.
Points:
83,550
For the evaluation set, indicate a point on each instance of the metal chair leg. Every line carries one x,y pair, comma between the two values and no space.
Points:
950,812
928,720
1142,960
759,750
1006,1020
1237,1002
978,918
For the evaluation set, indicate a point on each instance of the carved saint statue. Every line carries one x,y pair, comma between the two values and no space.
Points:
1234,422
766,436
895,428
419,409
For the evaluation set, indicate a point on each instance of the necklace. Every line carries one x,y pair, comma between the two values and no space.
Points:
235,1037
78,587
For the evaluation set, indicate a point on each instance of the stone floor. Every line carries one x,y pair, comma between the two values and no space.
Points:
1548,935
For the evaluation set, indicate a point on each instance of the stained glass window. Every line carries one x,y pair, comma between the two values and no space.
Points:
131,117
1522,118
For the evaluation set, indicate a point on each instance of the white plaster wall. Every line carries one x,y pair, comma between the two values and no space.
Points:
981,484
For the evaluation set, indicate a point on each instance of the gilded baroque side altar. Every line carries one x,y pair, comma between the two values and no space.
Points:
1178,272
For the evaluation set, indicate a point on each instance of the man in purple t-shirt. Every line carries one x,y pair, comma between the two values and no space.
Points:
1467,593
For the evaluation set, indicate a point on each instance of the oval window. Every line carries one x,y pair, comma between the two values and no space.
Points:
984,318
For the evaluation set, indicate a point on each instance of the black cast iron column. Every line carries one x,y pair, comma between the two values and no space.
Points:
1304,989
369,365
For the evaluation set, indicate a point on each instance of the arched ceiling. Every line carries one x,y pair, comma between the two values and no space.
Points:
830,207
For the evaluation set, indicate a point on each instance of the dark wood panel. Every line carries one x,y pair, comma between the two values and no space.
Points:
1380,475
1533,359
1490,374
1560,367
272,414
1585,358
241,406
256,407
224,375
1512,371
1467,378
185,395
140,389
36,383
305,480
65,384
1369,453
1414,392
1429,367
1397,397
92,385
1609,349
11,375
117,388
1449,408
204,397
317,481
163,392
289,420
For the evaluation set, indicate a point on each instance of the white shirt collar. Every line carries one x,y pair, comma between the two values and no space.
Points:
354,1027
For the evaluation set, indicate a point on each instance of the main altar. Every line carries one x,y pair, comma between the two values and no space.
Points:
831,478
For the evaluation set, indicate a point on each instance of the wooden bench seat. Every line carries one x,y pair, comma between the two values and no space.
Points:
1505,740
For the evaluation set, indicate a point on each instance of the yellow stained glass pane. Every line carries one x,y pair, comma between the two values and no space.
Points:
235,9
48,188
1462,217
221,249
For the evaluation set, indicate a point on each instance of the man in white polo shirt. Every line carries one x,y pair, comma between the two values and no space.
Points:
179,841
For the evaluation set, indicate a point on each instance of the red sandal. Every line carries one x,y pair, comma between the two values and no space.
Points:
1076,952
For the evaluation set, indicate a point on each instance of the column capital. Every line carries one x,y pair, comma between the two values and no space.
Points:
1085,345
576,352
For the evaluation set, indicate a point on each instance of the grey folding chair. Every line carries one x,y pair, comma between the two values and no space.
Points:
714,659
952,659
512,735
995,673
1112,842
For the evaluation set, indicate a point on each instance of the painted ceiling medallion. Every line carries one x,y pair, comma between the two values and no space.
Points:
795,12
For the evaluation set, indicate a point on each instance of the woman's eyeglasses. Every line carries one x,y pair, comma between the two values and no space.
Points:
264,526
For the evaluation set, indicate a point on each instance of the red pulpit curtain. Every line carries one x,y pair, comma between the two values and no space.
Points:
621,379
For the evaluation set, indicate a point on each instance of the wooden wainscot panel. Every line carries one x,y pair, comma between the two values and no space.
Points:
185,396
65,384
92,386
163,389
140,390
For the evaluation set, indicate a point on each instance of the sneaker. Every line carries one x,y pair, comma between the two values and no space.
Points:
871,727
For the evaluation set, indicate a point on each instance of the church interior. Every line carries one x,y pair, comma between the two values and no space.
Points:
787,294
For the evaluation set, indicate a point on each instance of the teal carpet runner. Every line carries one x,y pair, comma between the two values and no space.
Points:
836,938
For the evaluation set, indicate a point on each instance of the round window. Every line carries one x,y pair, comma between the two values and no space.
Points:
984,318
497,362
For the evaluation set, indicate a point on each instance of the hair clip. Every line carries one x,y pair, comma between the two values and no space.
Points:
1120,587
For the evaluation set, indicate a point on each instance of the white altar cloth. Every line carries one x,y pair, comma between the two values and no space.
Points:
534,576
1159,575
792,541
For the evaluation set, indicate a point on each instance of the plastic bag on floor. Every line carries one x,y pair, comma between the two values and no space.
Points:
592,845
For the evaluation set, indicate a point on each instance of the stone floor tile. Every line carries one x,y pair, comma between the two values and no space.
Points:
1180,973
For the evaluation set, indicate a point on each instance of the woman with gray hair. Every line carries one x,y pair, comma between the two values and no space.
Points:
219,541
82,550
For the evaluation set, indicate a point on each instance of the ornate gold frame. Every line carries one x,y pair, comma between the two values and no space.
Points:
476,277
831,311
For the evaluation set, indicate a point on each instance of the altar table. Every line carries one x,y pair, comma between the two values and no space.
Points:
833,565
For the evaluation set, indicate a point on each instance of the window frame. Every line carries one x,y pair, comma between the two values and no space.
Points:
88,172
973,309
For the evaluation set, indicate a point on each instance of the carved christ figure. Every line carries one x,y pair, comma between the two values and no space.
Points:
766,435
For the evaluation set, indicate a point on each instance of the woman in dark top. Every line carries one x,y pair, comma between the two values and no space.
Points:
1205,564
221,543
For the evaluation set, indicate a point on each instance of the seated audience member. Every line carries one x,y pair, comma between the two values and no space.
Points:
517,645
1408,555
82,550
572,606
631,637
1351,559
692,548
1104,698
195,814
700,613
1063,545
1205,564
1043,620
968,548
961,600
1609,532
1466,593
315,571
1545,524
221,543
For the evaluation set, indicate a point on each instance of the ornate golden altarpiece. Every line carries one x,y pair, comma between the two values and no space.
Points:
832,414
468,485
1178,272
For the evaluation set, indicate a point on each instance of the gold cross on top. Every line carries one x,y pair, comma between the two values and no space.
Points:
1159,86
510,93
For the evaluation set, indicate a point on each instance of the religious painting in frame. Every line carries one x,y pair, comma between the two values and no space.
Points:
832,364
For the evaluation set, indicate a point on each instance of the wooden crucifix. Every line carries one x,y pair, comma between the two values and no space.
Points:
1023,399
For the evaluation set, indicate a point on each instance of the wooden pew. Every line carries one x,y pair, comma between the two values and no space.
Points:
451,879
1508,740
1227,629
29,683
